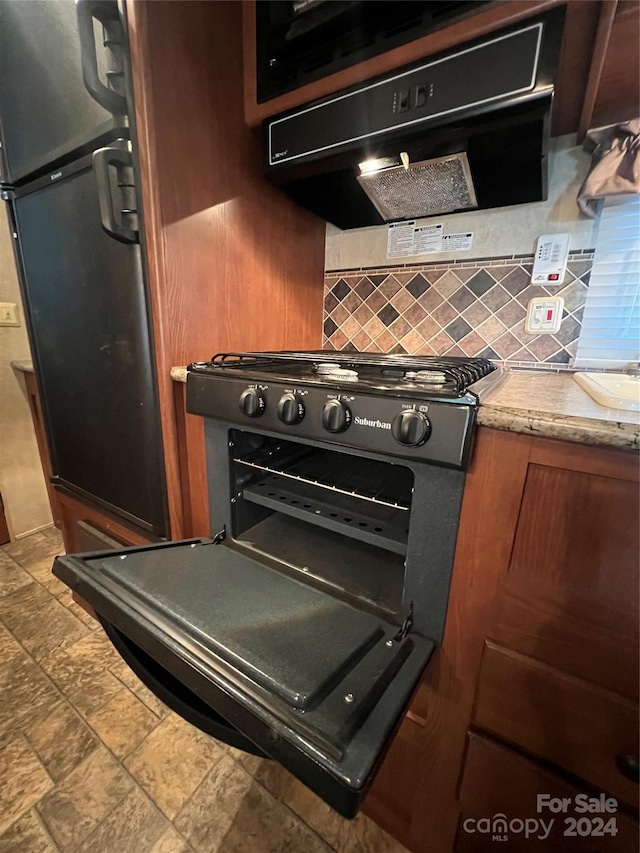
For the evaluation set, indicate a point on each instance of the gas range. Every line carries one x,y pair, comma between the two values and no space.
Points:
417,407
302,627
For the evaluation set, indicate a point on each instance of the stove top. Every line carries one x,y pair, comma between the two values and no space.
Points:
401,375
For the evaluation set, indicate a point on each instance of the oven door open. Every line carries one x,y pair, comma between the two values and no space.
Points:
236,646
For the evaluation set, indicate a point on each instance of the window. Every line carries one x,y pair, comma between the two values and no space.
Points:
610,335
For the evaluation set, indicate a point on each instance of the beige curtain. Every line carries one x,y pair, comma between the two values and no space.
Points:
615,167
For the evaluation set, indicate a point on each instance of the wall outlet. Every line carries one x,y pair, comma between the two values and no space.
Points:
544,315
9,314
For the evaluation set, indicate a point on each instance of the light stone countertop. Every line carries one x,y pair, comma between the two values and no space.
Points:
549,404
553,405
24,365
179,374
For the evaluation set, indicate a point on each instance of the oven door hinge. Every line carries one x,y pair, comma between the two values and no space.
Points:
218,538
406,625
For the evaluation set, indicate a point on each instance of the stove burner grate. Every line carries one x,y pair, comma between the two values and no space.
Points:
453,374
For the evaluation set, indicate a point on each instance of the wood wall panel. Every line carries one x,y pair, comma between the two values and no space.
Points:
233,263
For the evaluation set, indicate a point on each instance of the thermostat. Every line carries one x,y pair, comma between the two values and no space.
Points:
550,263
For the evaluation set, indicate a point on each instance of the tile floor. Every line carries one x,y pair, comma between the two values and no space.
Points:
91,761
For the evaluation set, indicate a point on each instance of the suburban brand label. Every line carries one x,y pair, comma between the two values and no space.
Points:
377,424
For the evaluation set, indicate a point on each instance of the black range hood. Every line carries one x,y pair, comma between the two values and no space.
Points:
464,130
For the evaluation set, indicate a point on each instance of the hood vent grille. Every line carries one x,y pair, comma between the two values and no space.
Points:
428,188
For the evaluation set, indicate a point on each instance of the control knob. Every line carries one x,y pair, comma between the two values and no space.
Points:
411,428
290,409
336,416
252,403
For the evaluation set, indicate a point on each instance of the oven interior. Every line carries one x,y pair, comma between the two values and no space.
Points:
340,519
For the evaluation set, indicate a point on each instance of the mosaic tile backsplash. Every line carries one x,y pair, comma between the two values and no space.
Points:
461,308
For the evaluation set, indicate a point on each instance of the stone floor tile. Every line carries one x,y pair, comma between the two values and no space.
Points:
364,836
33,548
317,814
128,677
61,739
134,826
12,575
24,780
81,673
39,621
262,824
360,835
75,807
209,814
9,646
56,536
66,599
123,723
26,693
40,570
170,842
270,774
27,835
172,762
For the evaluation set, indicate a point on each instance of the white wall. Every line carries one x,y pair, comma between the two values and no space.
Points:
22,483
501,231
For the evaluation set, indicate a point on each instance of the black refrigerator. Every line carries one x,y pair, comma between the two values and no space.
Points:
68,176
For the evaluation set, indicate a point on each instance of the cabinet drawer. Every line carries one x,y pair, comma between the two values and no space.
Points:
498,781
576,725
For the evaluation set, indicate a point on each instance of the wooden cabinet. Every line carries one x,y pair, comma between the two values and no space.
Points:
613,88
79,522
500,782
569,722
233,263
597,80
86,529
573,70
540,649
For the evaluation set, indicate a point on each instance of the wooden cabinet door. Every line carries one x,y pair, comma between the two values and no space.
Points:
79,520
499,783
573,724
569,594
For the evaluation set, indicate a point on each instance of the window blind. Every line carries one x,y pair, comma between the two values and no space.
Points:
610,335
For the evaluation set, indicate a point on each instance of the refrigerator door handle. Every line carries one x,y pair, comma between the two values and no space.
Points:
106,12
119,156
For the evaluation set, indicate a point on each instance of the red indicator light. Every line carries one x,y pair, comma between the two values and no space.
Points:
553,276
549,315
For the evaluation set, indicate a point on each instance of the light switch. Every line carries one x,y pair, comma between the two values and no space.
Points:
544,315
9,314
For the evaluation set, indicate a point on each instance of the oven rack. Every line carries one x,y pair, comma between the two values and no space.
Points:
369,522
380,483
